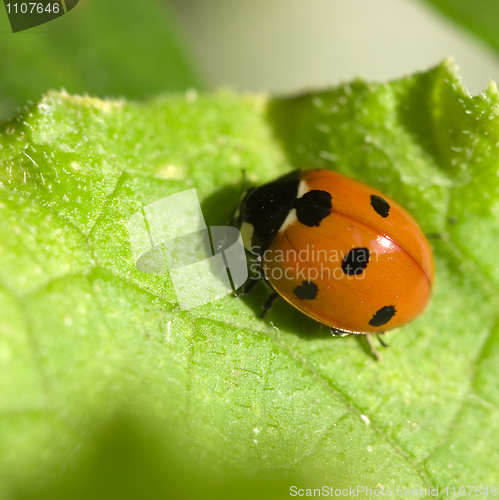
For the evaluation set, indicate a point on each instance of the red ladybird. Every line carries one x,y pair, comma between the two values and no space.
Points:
338,250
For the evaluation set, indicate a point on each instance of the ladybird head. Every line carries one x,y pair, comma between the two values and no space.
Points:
264,209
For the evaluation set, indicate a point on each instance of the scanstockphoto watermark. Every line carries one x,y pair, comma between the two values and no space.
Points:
381,491
310,264
357,491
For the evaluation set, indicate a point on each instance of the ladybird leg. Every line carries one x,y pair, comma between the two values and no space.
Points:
373,349
253,280
267,305
246,289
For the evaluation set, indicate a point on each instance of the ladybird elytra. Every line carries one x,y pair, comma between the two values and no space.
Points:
338,250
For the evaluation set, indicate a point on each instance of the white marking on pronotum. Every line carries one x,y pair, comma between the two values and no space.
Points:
302,189
247,231
290,219
365,419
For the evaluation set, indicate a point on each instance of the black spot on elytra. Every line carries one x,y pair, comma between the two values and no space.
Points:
306,291
312,207
355,261
383,316
381,206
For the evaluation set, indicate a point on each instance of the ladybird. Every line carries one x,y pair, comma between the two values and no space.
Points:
338,250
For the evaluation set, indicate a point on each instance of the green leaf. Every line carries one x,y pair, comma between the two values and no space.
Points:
84,334
129,460
480,17
109,48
